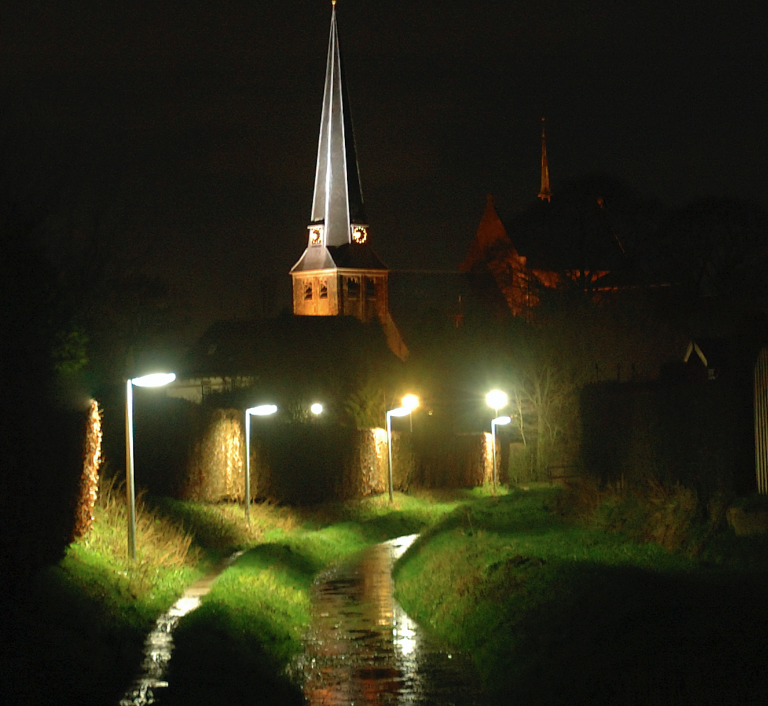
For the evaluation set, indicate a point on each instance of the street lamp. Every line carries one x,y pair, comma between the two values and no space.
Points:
316,409
410,402
263,410
153,380
496,400
498,422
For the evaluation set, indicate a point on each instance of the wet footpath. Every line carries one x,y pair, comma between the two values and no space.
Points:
361,648
149,685
364,649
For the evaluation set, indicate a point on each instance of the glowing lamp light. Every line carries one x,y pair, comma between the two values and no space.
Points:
411,402
399,412
501,421
316,409
153,380
262,410
496,399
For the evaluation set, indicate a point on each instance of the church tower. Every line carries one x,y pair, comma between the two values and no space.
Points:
339,273
545,194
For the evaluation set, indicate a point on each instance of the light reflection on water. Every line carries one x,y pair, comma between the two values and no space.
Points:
157,653
159,643
364,649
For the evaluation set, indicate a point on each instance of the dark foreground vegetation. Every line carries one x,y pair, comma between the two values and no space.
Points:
76,635
561,596
566,607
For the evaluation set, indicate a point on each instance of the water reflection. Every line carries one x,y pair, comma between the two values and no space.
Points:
364,649
157,653
159,643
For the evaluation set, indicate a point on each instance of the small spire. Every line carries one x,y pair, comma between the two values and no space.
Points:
545,194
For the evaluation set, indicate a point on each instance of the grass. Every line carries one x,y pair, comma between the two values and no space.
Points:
89,614
554,607
258,610
558,612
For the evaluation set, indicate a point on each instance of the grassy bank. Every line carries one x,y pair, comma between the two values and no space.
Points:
238,643
76,635
557,612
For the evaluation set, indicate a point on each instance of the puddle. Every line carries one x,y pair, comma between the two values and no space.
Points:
364,649
158,646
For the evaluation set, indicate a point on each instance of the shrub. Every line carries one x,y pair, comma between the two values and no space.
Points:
669,514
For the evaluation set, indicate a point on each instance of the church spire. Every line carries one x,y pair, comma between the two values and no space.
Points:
337,204
339,274
545,194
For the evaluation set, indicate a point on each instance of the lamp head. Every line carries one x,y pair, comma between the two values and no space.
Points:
154,380
399,412
262,410
316,409
501,421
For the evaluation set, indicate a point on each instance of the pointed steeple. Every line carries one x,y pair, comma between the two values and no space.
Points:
545,194
339,274
337,203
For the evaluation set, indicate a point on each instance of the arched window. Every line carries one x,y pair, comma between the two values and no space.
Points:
370,289
308,291
323,290
353,288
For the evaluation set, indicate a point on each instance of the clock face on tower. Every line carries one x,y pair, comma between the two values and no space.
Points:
359,234
315,235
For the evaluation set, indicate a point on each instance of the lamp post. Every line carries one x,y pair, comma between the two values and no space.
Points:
263,410
496,400
410,402
497,422
153,380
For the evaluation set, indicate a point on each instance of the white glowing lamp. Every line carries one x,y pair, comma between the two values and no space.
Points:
316,409
496,399
262,410
399,412
152,380
497,422
411,402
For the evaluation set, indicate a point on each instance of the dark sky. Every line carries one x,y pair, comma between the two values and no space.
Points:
191,127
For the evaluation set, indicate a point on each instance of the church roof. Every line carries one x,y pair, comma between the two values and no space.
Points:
338,198
491,236
348,256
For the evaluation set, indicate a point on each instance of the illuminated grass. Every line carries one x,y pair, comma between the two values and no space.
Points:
257,610
555,613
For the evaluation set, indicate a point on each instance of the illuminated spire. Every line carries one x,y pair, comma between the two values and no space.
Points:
337,203
545,194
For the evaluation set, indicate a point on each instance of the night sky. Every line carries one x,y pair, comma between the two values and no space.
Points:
189,129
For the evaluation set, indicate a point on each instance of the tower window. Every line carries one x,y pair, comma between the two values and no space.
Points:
370,289
308,291
323,290
353,288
